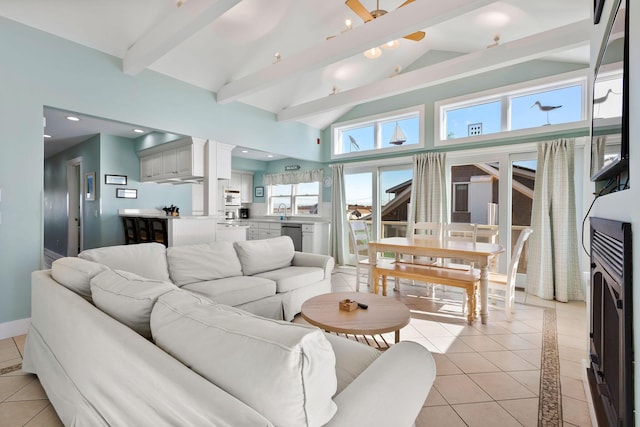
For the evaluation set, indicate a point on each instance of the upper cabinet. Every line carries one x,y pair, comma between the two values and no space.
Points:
243,181
223,157
174,161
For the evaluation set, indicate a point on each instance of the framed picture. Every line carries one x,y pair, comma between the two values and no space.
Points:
115,179
126,193
259,192
90,186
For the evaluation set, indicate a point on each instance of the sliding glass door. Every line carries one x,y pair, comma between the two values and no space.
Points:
378,195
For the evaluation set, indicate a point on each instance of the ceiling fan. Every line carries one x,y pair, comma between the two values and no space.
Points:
367,16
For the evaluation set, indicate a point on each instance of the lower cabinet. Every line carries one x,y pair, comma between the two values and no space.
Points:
315,237
263,230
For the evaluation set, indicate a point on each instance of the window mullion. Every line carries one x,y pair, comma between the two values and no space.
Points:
505,113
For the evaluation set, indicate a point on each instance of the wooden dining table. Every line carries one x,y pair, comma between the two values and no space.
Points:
479,253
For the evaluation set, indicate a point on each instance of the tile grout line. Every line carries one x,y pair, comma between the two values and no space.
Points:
550,403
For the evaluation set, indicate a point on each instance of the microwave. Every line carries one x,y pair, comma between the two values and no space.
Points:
232,198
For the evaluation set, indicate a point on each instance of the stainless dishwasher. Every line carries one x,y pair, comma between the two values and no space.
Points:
295,232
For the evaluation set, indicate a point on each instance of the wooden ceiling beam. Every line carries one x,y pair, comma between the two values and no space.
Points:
174,29
405,20
518,51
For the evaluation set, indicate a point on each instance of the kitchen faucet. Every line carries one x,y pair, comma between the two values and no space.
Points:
285,211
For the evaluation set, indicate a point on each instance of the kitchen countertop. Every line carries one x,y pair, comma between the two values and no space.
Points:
155,213
285,221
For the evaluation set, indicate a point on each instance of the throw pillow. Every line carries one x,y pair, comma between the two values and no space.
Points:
257,256
200,263
76,274
284,371
144,259
128,298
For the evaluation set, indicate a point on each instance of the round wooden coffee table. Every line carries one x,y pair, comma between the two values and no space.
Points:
383,314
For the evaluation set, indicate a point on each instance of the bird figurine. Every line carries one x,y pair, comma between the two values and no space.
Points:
602,99
546,108
354,144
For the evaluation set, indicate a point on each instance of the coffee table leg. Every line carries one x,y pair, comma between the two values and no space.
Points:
397,336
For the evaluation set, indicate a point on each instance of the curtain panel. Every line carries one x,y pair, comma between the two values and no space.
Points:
338,216
295,177
428,190
553,270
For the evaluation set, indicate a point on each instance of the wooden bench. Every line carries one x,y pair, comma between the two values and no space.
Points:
469,280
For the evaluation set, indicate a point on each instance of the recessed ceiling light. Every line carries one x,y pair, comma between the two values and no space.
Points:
138,131
47,136
269,155
73,118
245,151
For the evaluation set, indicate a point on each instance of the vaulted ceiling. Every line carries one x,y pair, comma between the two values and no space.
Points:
229,46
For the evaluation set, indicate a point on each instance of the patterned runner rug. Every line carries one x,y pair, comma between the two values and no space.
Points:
11,368
550,403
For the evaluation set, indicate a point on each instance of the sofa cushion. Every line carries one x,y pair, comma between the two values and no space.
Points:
290,278
197,263
234,290
284,371
257,256
351,359
144,259
128,298
76,274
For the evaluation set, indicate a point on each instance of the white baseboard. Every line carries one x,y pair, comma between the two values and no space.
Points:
14,328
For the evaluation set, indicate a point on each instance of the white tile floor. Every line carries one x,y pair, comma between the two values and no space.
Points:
487,375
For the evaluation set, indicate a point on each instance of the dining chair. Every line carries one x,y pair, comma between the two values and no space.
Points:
503,287
428,230
360,242
460,232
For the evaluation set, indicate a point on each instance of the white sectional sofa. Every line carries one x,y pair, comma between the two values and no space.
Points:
113,347
265,277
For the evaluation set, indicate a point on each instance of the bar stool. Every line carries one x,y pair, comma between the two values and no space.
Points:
144,232
130,230
158,231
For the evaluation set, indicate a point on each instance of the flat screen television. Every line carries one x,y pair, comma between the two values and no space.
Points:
609,127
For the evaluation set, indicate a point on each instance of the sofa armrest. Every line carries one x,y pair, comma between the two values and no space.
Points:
304,259
391,391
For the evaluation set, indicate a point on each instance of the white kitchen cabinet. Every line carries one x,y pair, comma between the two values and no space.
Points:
263,230
180,159
246,188
223,160
243,181
315,238
151,167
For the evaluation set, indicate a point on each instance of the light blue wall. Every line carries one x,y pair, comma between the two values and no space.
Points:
41,70
55,196
118,157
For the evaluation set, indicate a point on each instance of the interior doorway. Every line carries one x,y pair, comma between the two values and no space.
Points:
74,206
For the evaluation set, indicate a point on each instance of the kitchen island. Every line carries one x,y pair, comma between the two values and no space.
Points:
178,230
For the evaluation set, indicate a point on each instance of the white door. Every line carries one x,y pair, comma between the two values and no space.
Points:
74,207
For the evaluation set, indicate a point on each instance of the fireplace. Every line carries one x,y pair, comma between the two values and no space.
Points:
611,344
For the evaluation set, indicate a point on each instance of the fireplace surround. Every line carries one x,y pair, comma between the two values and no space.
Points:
610,372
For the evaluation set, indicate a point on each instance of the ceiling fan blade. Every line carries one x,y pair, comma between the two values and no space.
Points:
406,3
416,37
359,9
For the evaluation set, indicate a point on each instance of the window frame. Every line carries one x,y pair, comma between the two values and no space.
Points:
292,199
377,121
505,94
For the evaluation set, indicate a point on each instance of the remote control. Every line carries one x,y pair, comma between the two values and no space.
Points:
361,305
